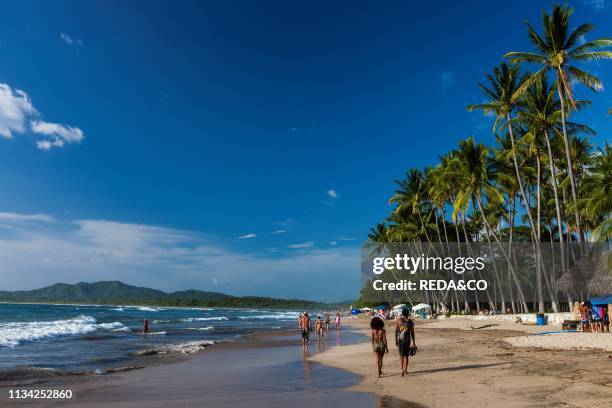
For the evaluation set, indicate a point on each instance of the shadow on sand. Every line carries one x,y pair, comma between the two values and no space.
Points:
457,368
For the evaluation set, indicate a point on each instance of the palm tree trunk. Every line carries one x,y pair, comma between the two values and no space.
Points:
568,155
536,238
539,271
553,176
520,290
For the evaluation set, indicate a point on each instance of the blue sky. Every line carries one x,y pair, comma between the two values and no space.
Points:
186,125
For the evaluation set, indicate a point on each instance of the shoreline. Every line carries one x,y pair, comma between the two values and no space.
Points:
267,369
477,367
155,357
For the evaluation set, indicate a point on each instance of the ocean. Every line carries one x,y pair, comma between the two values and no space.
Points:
37,338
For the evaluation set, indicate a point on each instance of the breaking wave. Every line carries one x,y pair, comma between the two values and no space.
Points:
12,334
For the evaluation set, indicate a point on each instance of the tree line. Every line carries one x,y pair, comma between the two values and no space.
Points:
541,182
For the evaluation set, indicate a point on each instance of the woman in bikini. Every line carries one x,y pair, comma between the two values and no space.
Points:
379,341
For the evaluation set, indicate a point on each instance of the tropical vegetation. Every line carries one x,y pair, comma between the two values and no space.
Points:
542,182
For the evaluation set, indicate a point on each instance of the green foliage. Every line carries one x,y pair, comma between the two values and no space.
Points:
119,293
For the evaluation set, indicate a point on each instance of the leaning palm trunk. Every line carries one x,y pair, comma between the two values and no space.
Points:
486,222
567,153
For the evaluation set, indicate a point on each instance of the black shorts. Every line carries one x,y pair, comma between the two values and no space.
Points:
404,348
305,334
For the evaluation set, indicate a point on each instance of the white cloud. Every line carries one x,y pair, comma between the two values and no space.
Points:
59,134
66,38
9,216
16,110
333,194
35,255
448,80
77,43
247,236
333,243
308,244
345,238
278,232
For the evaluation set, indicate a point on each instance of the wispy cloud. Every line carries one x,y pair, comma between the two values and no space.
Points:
596,5
9,216
286,223
345,238
19,116
248,236
307,244
77,43
333,242
332,196
448,80
35,254
278,232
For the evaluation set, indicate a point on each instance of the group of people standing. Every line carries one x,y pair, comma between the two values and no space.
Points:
594,318
405,340
321,326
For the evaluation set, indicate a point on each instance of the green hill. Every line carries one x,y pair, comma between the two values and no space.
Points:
119,293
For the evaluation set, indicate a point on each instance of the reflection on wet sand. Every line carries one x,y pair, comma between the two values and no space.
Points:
307,366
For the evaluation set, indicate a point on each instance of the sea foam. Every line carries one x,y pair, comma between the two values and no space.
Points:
203,319
12,334
182,348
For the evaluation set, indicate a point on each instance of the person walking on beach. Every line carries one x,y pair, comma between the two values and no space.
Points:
145,326
319,328
379,341
337,321
404,333
327,321
306,327
299,320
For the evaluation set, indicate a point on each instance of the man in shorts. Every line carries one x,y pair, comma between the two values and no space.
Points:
306,328
404,333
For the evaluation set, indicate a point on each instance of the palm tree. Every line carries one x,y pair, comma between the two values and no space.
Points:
556,51
504,83
597,188
477,179
542,116
411,194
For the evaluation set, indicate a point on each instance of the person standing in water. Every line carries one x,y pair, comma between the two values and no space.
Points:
379,341
337,320
327,321
306,327
145,326
404,333
319,328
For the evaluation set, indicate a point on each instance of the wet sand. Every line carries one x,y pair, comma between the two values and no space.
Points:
265,371
465,367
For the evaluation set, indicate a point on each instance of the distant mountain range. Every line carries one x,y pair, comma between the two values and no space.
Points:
119,293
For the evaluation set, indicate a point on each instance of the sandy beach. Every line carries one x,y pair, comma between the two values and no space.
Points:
468,363
460,363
